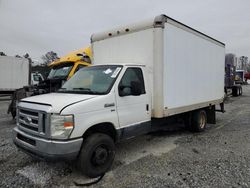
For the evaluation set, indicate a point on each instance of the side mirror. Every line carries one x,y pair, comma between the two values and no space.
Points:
136,88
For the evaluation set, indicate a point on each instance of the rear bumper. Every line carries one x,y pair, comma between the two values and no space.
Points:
47,149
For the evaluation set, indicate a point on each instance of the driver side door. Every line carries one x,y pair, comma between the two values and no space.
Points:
133,111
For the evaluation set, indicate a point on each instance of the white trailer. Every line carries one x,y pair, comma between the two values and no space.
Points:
14,73
144,76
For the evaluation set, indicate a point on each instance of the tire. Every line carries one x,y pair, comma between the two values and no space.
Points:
97,155
198,121
240,91
235,91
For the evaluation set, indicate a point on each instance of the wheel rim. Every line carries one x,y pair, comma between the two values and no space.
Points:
202,121
100,155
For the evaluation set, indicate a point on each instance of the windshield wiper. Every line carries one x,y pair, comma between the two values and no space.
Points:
87,90
62,90
95,92
81,88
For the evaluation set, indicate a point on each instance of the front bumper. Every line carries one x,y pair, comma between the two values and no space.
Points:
47,149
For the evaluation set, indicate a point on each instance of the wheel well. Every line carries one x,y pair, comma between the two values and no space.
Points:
106,128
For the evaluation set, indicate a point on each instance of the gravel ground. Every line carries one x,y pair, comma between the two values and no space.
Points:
218,157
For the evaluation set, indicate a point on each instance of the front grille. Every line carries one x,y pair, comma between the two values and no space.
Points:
31,120
29,112
29,127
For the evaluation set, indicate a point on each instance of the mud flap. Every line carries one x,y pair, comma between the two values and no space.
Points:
211,115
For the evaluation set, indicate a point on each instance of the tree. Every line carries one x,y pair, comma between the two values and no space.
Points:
26,55
49,57
2,54
248,67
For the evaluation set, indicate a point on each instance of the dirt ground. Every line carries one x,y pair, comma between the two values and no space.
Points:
218,157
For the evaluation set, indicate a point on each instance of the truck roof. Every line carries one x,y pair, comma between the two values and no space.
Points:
73,56
158,21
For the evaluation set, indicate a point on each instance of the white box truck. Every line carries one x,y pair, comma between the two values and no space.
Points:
14,73
143,74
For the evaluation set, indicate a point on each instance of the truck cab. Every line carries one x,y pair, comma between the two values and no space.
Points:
63,69
97,105
239,76
66,66
36,77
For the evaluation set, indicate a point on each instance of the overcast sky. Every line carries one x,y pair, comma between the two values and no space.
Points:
39,26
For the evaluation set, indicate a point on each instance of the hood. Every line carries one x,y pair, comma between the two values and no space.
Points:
58,100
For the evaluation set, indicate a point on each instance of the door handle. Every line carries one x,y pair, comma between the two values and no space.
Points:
109,105
147,107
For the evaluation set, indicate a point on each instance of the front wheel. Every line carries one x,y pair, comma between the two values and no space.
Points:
97,155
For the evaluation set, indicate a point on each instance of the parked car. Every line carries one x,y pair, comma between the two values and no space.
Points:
247,76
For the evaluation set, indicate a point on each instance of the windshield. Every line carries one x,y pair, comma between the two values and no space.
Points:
37,77
60,70
239,75
92,80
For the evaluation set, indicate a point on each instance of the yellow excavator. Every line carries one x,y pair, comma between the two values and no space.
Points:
60,71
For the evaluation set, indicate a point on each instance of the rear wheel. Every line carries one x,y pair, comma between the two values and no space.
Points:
240,89
235,91
97,155
198,121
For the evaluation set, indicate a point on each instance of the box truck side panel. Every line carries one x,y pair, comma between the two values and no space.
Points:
132,48
14,73
23,71
193,69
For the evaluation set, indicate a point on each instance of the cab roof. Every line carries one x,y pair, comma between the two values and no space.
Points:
73,56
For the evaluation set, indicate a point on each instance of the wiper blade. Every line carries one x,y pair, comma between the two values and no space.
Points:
95,92
62,89
81,88
87,90
81,91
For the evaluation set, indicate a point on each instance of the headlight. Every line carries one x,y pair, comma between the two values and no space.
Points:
61,126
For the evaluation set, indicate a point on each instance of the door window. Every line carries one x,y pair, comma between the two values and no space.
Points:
131,75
